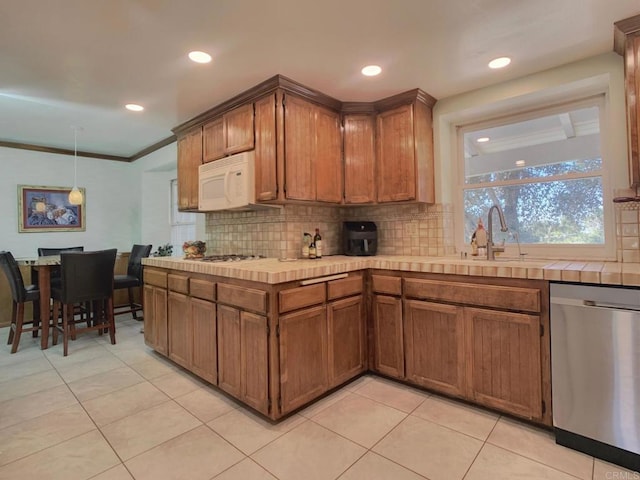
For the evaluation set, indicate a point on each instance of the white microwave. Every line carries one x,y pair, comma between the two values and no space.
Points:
227,183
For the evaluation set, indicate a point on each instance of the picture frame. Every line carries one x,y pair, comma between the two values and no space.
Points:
47,209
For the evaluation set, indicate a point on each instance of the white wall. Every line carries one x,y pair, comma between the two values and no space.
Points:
112,201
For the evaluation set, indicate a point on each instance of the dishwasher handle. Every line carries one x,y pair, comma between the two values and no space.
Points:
575,302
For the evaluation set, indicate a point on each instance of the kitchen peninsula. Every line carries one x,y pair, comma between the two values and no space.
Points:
278,335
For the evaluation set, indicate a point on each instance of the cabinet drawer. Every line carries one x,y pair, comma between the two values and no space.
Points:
247,298
496,296
155,277
344,287
388,285
295,298
204,289
178,283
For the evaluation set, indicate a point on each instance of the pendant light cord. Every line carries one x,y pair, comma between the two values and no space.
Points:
75,157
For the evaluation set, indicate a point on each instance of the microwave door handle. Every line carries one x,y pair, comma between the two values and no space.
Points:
226,186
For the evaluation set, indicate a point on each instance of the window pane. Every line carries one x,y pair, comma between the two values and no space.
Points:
556,212
524,173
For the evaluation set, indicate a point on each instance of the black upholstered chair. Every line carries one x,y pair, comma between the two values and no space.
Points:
86,278
21,294
47,252
133,278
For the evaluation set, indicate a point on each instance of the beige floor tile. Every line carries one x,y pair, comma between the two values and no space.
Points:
358,382
103,383
154,367
131,353
30,384
540,445
375,467
360,419
176,384
458,416
206,404
431,450
128,401
392,394
608,471
101,364
82,350
308,451
319,405
248,432
138,433
35,364
91,456
28,349
42,432
31,406
199,454
118,472
246,470
494,463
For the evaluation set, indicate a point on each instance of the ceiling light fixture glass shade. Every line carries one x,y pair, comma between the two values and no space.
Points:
199,57
75,196
371,70
482,139
134,107
500,62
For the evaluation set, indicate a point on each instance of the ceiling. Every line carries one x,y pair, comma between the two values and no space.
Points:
74,62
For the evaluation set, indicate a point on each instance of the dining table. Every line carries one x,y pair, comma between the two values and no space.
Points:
43,266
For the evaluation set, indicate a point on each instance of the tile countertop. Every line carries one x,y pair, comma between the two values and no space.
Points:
272,271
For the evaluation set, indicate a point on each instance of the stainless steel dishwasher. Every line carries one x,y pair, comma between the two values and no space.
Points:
595,368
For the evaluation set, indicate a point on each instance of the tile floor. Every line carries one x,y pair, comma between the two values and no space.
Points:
116,412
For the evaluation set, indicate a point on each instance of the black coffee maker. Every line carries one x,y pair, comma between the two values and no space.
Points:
360,238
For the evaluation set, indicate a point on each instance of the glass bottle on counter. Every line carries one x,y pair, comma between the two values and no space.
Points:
317,239
312,250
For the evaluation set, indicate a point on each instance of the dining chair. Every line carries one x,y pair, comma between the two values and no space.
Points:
21,294
55,272
86,278
132,279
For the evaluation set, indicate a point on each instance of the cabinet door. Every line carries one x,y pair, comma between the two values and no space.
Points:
632,90
204,361
254,361
213,140
238,129
396,155
359,159
179,324
189,159
434,342
328,161
265,149
303,356
347,347
300,152
155,318
229,350
504,365
388,336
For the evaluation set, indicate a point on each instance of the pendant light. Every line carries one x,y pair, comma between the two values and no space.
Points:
75,196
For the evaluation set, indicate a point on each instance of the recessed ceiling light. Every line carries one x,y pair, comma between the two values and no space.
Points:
520,163
134,107
482,139
200,57
499,62
371,70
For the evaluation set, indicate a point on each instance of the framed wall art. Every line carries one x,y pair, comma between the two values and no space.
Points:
47,209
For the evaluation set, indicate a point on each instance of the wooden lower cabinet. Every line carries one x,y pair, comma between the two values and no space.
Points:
388,336
155,318
303,357
504,365
179,326
204,356
243,356
434,346
347,347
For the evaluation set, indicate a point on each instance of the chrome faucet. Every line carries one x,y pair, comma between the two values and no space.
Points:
491,249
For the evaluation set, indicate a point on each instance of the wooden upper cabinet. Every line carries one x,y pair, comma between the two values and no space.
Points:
189,159
359,159
266,149
328,161
627,43
405,154
231,133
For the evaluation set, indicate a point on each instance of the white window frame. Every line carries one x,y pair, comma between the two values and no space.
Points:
605,251
183,224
